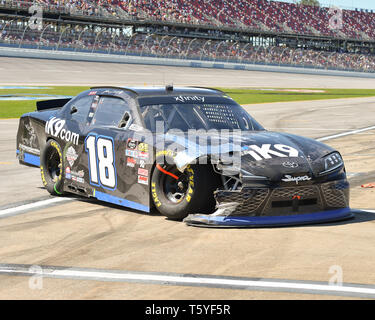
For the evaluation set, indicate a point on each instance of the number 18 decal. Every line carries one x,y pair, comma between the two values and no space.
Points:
101,156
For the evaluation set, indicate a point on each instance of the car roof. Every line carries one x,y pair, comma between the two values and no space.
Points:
167,90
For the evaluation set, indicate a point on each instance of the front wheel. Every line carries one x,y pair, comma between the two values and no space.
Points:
51,168
177,194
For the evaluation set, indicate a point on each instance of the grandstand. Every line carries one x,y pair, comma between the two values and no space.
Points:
242,31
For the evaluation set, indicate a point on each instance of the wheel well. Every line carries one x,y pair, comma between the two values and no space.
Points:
208,165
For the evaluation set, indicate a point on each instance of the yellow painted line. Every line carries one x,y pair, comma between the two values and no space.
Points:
6,163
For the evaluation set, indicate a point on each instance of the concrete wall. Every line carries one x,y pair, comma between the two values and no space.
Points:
112,58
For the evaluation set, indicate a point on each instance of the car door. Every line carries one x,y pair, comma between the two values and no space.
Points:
76,114
105,146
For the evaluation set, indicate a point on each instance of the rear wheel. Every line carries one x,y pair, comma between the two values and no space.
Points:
51,168
177,194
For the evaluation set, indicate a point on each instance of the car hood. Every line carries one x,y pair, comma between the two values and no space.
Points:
266,154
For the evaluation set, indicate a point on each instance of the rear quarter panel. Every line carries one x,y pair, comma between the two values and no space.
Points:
31,137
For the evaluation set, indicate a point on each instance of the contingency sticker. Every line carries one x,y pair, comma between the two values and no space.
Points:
131,148
143,151
67,173
71,155
143,172
130,162
142,180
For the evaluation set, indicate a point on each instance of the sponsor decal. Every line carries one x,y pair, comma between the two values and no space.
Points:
132,144
189,98
55,127
131,153
268,151
143,147
289,178
143,151
143,155
92,93
290,164
130,162
112,92
71,155
79,173
143,172
142,163
131,148
30,138
143,180
68,173
78,179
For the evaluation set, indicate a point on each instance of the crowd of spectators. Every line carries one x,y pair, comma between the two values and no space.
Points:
117,42
257,14
264,15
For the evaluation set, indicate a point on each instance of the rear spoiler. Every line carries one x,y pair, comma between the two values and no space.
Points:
51,104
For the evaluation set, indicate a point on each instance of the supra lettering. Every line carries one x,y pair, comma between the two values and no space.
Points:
289,178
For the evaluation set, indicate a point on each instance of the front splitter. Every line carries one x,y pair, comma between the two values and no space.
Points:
200,220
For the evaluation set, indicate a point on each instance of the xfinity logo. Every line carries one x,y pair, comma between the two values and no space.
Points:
289,178
267,151
55,127
189,98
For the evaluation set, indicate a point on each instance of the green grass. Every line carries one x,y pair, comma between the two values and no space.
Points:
252,96
14,109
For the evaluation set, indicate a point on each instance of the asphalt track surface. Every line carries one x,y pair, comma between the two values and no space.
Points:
91,250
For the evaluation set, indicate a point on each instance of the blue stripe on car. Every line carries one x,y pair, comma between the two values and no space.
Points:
120,201
243,221
30,159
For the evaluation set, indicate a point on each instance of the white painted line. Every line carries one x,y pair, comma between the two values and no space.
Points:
366,210
33,205
213,281
192,280
339,135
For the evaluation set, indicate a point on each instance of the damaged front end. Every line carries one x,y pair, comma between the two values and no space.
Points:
272,179
246,200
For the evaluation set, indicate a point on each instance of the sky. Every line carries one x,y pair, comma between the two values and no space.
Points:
361,4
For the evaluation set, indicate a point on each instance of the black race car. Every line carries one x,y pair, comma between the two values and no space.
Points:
193,153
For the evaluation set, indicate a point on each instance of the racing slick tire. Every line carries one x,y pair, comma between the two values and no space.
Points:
51,168
176,194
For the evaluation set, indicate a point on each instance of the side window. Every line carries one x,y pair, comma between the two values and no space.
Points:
80,108
111,111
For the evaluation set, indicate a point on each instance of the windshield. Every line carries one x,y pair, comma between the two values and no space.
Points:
199,116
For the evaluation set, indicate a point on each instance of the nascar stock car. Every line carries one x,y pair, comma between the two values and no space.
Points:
135,147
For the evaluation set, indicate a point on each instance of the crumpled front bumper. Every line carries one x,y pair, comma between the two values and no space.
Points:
199,220
278,206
